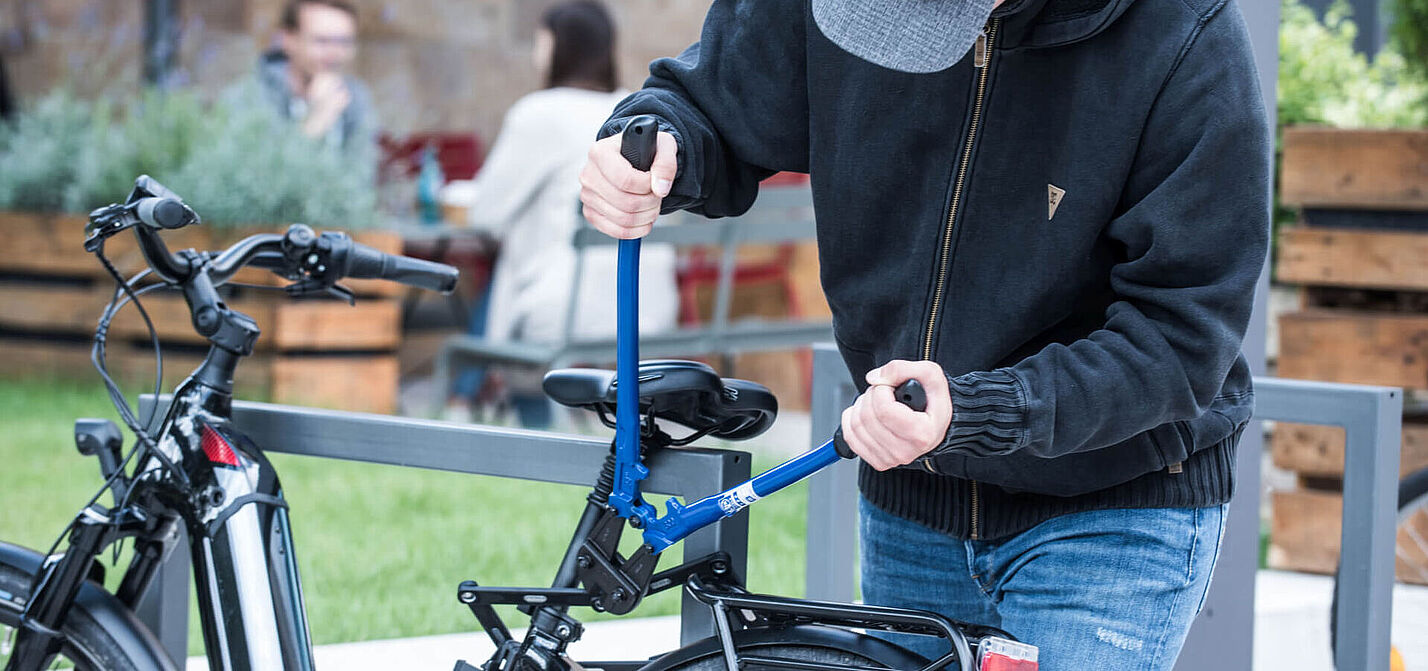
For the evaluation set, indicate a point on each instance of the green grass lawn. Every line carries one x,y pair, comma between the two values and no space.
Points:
381,548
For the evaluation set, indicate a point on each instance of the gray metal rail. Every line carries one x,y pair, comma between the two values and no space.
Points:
480,450
1372,419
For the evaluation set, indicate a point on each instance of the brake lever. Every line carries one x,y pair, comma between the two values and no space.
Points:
316,287
105,222
343,293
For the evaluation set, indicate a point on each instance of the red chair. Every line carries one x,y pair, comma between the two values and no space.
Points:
460,154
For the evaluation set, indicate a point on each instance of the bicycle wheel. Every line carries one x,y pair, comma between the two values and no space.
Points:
1411,568
87,645
813,645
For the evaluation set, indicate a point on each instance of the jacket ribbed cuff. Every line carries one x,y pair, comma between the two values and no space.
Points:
988,414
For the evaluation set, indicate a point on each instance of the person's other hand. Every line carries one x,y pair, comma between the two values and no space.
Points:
620,201
886,433
327,97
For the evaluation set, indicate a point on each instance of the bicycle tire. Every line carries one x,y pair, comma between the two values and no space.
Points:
1412,498
815,645
88,646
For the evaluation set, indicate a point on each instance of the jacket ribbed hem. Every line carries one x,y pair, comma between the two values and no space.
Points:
944,503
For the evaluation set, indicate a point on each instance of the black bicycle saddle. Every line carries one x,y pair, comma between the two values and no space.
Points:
688,393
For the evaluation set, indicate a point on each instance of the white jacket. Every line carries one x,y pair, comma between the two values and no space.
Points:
527,194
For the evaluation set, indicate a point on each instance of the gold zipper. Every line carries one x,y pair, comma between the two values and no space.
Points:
975,506
981,57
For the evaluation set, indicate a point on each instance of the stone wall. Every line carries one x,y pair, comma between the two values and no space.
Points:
449,65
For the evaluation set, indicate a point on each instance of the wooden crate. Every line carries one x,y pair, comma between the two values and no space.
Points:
1353,258
130,363
785,372
363,383
1305,535
315,351
348,381
1355,347
1355,169
52,245
287,324
1318,451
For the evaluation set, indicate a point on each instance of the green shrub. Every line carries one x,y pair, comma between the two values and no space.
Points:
153,135
236,165
40,151
1322,80
257,168
1410,32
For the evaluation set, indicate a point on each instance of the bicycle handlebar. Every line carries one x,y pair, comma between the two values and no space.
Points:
315,262
365,262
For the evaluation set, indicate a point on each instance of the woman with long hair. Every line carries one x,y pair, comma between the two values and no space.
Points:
527,195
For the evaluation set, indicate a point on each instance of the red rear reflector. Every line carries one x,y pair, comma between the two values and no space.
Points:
1000,654
216,448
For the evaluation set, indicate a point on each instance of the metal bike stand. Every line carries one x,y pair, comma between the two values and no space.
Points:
1372,419
464,448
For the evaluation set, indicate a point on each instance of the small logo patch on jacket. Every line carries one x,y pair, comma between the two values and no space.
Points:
1053,198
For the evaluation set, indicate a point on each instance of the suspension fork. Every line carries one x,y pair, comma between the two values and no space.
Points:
38,638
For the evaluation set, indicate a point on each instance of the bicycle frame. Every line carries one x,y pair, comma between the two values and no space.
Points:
240,538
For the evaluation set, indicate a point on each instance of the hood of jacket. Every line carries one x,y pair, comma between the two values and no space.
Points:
1054,23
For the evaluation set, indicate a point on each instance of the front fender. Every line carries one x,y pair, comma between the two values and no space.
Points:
137,642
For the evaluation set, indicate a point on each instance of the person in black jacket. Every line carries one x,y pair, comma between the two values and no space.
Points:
1052,213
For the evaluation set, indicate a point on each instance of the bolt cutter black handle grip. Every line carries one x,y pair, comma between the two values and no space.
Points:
637,142
909,393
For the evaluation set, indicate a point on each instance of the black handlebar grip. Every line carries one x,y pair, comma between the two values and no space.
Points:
366,262
909,393
156,212
638,142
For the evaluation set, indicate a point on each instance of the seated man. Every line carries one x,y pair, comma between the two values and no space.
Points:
305,79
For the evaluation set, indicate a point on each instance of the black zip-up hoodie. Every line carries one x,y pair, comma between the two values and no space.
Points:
1071,221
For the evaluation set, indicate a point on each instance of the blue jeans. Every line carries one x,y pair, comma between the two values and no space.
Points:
1109,590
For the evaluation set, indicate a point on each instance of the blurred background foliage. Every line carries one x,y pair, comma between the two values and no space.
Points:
1322,80
237,165
1410,32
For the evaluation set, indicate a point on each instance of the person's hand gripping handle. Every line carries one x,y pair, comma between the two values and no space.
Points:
621,189
909,393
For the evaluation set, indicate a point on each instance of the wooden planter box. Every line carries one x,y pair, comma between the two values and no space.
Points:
1360,256
1354,169
1306,533
312,351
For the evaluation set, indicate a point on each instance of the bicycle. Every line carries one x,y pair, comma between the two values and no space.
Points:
1410,554
752,631
197,470
192,470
